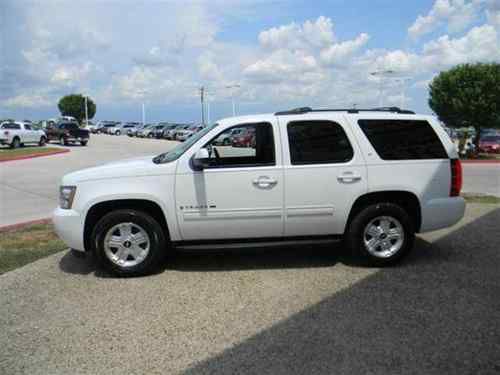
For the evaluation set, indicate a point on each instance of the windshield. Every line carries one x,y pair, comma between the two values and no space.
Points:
181,148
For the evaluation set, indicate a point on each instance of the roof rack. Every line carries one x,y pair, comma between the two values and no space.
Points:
302,110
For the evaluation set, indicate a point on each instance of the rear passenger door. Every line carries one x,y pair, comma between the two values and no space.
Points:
324,173
29,134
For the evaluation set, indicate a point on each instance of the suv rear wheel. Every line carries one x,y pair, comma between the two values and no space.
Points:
129,242
381,234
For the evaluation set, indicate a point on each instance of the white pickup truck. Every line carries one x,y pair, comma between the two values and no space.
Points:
16,134
373,177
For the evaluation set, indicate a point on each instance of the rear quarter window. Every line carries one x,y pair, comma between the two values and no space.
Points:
403,139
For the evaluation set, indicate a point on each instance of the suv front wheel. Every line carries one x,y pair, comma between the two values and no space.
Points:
129,242
381,234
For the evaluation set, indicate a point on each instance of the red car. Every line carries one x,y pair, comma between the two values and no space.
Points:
245,139
490,144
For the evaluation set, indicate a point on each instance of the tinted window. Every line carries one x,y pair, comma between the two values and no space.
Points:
403,139
11,126
318,142
27,127
254,146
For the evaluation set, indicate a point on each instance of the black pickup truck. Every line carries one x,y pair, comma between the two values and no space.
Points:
66,132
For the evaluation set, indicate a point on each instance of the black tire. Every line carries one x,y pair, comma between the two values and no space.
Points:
118,132
157,249
84,143
63,140
43,141
16,143
356,236
150,135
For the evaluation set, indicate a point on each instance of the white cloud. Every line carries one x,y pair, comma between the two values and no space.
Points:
480,44
337,53
28,101
457,14
311,34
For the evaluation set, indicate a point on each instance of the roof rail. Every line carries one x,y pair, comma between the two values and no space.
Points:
295,111
302,110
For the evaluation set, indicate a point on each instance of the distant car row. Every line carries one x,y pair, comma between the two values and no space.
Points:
162,130
19,133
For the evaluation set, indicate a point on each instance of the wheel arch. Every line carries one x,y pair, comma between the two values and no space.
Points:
406,199
99,209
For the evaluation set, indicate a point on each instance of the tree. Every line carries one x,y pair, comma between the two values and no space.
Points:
74,105
468,95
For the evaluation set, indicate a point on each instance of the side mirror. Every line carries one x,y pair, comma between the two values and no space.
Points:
200,159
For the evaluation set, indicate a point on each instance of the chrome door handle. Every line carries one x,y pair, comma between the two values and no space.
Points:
264,182
348,177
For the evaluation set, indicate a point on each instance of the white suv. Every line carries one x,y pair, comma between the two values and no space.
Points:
16,134
372,177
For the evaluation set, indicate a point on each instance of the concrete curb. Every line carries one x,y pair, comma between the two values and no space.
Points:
11,227
23,157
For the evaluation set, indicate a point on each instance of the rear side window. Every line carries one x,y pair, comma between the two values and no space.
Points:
403,139
11,126
318,142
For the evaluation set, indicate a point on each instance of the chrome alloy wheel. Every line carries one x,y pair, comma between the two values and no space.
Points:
383,236
126,244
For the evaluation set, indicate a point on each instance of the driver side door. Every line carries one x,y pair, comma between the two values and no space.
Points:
238,194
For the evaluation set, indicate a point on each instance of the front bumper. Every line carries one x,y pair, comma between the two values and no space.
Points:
69,226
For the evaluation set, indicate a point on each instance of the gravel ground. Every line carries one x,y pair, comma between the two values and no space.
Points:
307,310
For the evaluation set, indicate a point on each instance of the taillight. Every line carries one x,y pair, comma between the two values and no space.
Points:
456,177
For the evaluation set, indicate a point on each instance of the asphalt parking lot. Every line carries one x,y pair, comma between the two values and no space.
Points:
294,310
28,188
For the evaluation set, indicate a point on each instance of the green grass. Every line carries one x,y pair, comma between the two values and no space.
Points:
9,153
22,246
486,199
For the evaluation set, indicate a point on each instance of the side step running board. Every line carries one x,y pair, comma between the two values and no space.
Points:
247,245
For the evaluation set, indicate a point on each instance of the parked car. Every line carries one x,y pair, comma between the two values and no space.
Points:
184,134
89,126
156,132
490,144
169,132
105,126
145,130
373,178
17,134
177,130
121,128
132,132
67,132
167,129
226,139
101,125
244,139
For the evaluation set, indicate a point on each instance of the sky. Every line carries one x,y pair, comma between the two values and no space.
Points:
276,54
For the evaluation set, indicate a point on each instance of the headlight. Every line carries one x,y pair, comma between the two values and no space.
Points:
66,195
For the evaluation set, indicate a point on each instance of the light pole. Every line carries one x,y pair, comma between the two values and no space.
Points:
86,112
143,115
231,87
142,93
380,74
